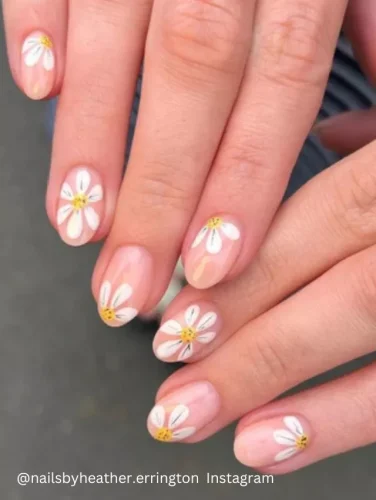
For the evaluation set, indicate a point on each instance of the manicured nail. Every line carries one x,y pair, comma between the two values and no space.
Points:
213,252
187,333
125,286
181,414
272,441
38,68
80,207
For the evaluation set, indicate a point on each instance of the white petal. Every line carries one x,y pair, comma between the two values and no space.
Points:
294,425
95,193
178,415
214,242
66,192
121,295
186,352
30,42
230,230
92,218
205,338
63,213
126,314
207,321
75,225
200,236
104,293
171,327
168,349
191,314
287,453
183,433
82,181
157,416
48,60
284,437
32,57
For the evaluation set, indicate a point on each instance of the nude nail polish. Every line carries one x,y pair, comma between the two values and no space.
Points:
213,252
125,285
269,442
187,333
81,206
181,414
38,68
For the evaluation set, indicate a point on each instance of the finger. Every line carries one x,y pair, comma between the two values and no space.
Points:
36,39
194,62
316,424
327,323
104,52
360,27
280,96
347,132
333,216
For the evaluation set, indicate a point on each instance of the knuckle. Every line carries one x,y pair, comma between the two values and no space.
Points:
365,275
293,53
204,34
159,189
355,201
268,359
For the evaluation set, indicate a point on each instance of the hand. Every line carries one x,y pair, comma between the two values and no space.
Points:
305,305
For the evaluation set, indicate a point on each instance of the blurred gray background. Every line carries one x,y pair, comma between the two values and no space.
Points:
74,394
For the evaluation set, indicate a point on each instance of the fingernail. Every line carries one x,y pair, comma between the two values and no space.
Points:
125,286
213,252
183,413
187,333
38,65
80,207
272,441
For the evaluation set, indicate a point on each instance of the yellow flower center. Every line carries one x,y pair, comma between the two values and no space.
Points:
45,41
107,314
188,334
80,201
163,434
214,223
301,442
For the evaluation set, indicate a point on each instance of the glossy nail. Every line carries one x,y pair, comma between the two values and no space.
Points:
272,441
182,413
187,333
125,286
80,207
213,252
38,65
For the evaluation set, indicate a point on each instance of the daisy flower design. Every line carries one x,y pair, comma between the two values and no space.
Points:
39,48
295,438
192,330
170,432
214,231
109,309
78,208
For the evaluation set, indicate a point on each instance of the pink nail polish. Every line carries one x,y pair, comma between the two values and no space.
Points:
38,65
272,441
181,414
213,252
187,333
125,286
80,206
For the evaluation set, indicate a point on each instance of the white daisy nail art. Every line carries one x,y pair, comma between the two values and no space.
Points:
168,429
112,310
80,207
214,231
193,329
295,438
39,48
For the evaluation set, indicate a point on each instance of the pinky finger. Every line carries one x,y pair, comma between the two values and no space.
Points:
295,432
36,37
